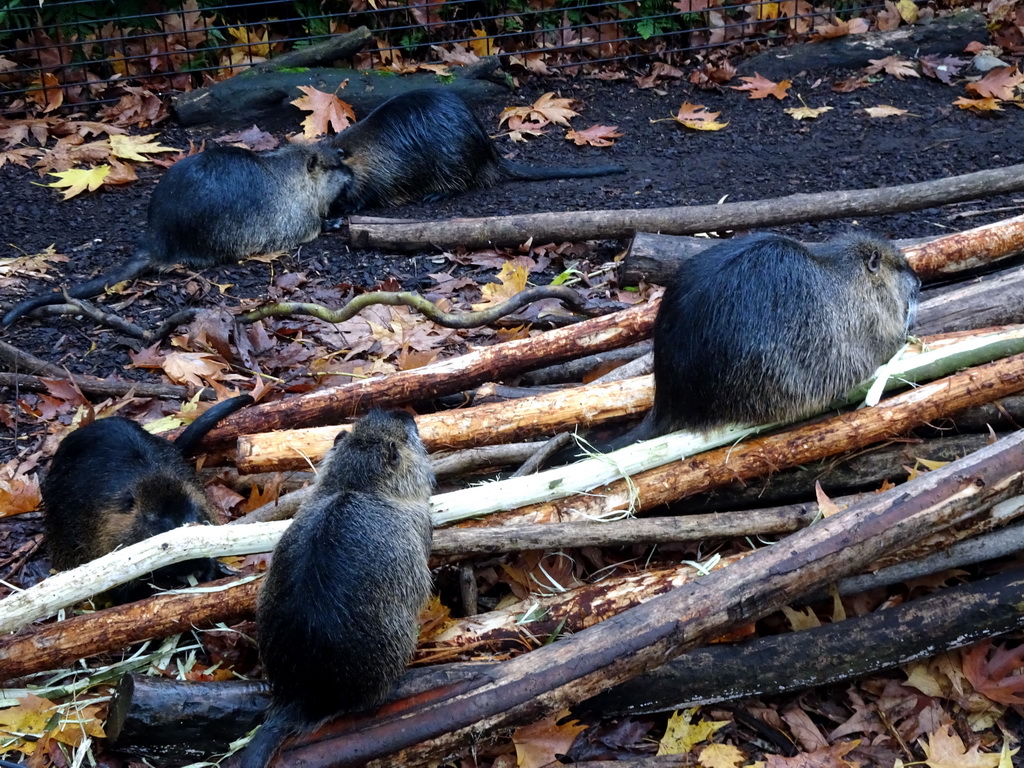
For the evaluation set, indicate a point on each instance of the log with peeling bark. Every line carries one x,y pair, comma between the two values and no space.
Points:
213,714
415,732
655,257
501,422
758,457
393,234
441,378
994,299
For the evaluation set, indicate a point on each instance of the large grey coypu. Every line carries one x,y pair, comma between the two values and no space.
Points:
337,615
763,328
223,204
428,145
112,483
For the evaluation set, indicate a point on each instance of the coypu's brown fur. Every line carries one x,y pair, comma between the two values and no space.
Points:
338,611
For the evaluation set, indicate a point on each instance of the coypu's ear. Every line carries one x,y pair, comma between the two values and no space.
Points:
340,437
394,455
312,162
874,260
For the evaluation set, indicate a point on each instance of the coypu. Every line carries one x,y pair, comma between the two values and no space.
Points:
764,329
428,145
111,483
223,204
338,614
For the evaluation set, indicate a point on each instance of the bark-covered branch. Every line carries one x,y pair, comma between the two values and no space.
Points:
424,306
392,234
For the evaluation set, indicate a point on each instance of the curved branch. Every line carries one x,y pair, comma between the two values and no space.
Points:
427,308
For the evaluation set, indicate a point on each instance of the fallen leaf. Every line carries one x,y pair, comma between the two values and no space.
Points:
761,87
991,669
851,84
547,109
128,147
893,65
885,111
908,10
945,749
681,736
943,69
595,136
979,105
36,265
481,44
196,368
252,138
511,280
807,113
696,117
721,756
542,742
46,92
326,110
18,156
1000,83
19,491
79,180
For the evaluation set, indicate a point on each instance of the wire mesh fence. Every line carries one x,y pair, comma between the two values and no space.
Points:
78,52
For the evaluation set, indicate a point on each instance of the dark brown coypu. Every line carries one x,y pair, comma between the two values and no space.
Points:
763,328
428,145
338,613
111,483
224,204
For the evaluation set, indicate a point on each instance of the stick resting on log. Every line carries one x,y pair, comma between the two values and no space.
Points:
393,234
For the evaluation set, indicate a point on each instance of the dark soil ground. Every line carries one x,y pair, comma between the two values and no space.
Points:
763,153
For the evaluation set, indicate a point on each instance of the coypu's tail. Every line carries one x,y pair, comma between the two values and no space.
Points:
278,726
195,431
139,265
540,173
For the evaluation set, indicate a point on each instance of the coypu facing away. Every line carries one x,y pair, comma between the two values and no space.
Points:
428,145
221,204
111,483
338,613
764,328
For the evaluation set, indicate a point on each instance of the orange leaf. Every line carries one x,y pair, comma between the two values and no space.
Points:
325,110
595,135
993,675
1000,83
697,117
540,743
762,87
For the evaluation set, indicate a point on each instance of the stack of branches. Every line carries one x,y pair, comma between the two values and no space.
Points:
616,635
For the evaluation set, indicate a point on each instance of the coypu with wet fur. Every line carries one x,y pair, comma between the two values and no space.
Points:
223,204
764,328
428,145
338,614
111,483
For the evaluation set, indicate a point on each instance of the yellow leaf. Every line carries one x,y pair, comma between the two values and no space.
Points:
807,113
79,180
28,718
884,110
979,105
696,117
680,736
805,619
721,756
511,280
908,10
945,749
767,11
482,45
129,147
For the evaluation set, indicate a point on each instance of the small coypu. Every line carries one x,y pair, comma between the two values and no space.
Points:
763,329
111,483
338,614
224,204
428,145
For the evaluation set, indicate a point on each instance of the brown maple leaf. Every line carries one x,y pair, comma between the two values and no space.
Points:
942,68
547,109
595,136
761,87
991,671
697,117
1000,83
945,749
893,65
326,110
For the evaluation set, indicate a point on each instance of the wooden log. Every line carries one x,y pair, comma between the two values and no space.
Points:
502,422
762,456
390,234
560,675
654,258
843,650
994,299
57,645
213,714
576,370
264,95
441,378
